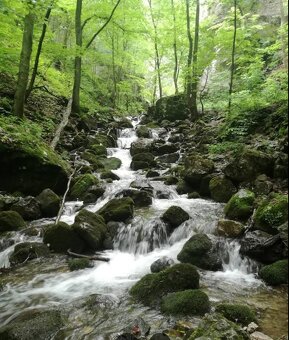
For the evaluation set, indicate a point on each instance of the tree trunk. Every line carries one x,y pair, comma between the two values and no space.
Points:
78,60
175,49
194,107
190,58
231,86
24,65
284,22
38,53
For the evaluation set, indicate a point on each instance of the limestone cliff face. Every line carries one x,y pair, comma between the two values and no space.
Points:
269,8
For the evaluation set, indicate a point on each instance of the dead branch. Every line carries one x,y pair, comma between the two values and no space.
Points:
94,257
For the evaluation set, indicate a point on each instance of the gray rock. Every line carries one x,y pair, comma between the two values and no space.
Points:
28,208
161,264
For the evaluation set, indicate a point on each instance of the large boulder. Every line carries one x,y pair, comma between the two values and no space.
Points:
91,228
188,302
61,237
10,221
152,287
7,201
221,189
28,208
198,250
229,228
49,203
248,165
111,163
140,146
160,149
82,185
271,214
241,205
28,251
237,313
118,210
143,132
174,217
171,108
141,198
276,273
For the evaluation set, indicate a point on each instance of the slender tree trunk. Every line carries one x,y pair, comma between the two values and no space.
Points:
38,53
231,86
24,65
194,108
114,76
175,50
284,22
190,58
158,59
78,59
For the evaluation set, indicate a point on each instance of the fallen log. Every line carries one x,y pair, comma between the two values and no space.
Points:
93,257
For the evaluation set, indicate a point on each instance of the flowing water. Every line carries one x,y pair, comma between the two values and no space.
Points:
136,247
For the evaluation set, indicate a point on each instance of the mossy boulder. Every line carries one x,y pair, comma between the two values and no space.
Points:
162,264
152,287
11,220
78,264
174,217
28,208
241,205
124,123
184,188
222,189
159,149
237,313
229,228
98,150
139,165
109,175
171,108
7,201
248,165
94,161
188,302
198,250
111,163
275,274
141,198
118,210
28,250
82,185
49,203
143,132
91,228
216,326
33,324
140,146
271,214
197,167
144,157
61,237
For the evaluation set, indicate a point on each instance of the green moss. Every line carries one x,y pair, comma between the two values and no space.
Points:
237,313
143,132
174,217
276,273
271,214
28,250
109,175
111,163
152,287
78,264
82,185
118,210
222,189
241,205
95,161
99,150
11,220
189,302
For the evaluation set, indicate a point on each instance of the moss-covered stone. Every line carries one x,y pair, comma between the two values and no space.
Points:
215,326
188,302
98,150
141,198
82,185
222,189
143,132
241,205
11,220
184,188
144,157
91,228
49,203
78,264
95,161
271,214
60,237
118,210
140,146
28,208
109,175
198,251
170,108
229,228
111,163
174,217
28,250
152,287
276,273
139,165
237,313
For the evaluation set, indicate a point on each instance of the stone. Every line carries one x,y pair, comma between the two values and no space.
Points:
111,163
118,210
28,250
143,132
237,313
174,217
140,146
10,221
109,175
259,336
241,205
94,161
164,149
138,327
159,336
276,273
171,108
252,327
221,189
78,264
162,264
141,198
7,201
28,208
168,158
229,228
126,336
81,186
262,185
98,150
49,203
152,174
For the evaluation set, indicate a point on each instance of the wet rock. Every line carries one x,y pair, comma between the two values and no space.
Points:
123,123
140,146
248,165
194,195
275,274
169,158
229,228
184,188
113,228
11,220
263,247
171,180
141,198
237,313
93,194
241,205
259,336
78,264
160,336
221,189
28,208
81,186
126,336
109,175
33,324
142,185
152,174
61,237
162,264
188,302
164,149
93,160
138,327
49,203
118,210
91,228
7,201
152,287
174,217
111,163
143,132
98,150
28,251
